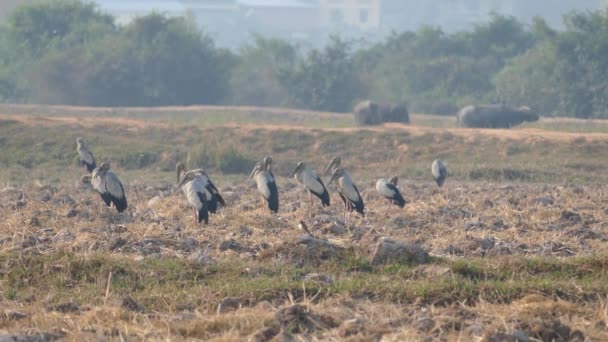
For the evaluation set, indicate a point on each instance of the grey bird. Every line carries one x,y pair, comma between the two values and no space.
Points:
266,183
212,194
334,163
86,157
390,191
109,187
195,192
348,192
439,172
313,183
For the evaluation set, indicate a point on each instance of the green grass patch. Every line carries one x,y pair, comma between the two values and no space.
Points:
186,283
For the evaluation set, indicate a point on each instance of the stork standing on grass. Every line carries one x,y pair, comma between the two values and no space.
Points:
348,192
345,187
266,184
109,187
86,157
195,192
439,171
212,194
312,183
390,191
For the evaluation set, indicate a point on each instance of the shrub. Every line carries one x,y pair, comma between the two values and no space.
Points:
227,159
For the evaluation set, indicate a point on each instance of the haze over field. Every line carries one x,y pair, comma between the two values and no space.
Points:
157,185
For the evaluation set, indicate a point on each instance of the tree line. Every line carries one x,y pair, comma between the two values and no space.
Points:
69,52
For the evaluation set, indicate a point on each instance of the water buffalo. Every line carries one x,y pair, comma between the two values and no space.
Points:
372,113
494,116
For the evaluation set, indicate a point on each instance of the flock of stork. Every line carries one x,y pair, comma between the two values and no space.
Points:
204,197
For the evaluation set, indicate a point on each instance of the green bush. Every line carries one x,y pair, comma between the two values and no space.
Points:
224,158
324,80
67,52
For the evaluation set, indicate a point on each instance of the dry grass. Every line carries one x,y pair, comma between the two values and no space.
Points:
511,256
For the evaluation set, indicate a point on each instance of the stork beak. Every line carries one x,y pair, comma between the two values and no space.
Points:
183,180
180,167
292,173
328,167
252,172
334,176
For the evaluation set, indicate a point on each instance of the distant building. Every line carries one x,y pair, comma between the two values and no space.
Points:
362,14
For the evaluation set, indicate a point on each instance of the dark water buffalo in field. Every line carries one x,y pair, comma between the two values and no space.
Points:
494,116
373,113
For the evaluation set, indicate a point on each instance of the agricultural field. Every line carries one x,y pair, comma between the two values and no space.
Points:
513,247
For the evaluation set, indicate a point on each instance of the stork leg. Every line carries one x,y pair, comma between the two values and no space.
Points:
310,210
195,217
345,210
388,206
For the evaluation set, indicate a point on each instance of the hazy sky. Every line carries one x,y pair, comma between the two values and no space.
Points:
232,22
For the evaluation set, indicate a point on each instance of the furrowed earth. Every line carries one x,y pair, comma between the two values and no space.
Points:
513,247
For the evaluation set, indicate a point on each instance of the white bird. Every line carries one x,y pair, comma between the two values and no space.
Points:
439,172
266,183
312,183
212,194
348,192
86,157
109,187
390,191
195,192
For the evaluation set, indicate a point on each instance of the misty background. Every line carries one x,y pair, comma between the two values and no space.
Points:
231,23
435,56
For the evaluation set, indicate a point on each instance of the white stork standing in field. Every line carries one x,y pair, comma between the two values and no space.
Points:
439,172
212,194
390,191
195,192
312,183
348,192
109,187
266,183
86,157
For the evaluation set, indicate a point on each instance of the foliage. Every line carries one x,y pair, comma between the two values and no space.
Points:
428,65
259,64
581,64
325,80
69,52
527,80
75,55
228,159
35,29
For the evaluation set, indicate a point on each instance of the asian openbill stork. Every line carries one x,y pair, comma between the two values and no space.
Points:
266,183
334,165
195,192
109,187
348,192
212,194
439,172
390,191
86,157
312,183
